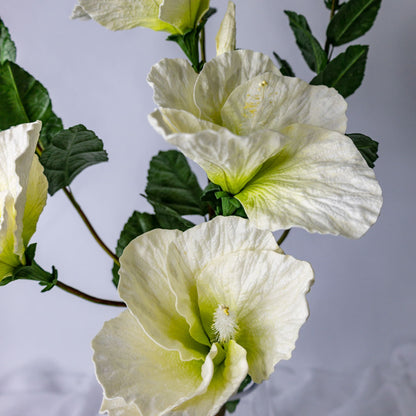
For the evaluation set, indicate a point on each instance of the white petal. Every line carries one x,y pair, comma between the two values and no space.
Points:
229,160
223,74
144,286
226,36
173,83
319,182
131,366
197,247
265,291
119,407
126,14
225,382
17,148
270,101
167,121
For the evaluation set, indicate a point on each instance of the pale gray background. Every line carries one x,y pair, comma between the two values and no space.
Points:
363,302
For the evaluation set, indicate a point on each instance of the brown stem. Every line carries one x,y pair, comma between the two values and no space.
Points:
283,237
84,218
221,412
90,298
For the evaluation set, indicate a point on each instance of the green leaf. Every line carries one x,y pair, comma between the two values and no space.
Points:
7,46
171,182
169,219
69,153
231,406
138,224
367,147
312,51
32,271
353,20
24,100
285,68
346,72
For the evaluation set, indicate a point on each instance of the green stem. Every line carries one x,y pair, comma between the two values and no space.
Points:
84,218
90,298
327,44
202,45
283,237
70,195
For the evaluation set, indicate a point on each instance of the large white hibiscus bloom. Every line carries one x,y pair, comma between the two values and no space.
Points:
173,16
23,192
205,307
276,143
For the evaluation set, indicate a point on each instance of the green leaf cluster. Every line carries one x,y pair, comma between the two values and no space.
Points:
349,21
32,271
23,99
189,42
70,152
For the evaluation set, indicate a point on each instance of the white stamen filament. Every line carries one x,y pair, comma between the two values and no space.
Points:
225,325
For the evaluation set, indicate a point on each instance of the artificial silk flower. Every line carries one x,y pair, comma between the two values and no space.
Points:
23,192
173,16
274,142
205,307
226,36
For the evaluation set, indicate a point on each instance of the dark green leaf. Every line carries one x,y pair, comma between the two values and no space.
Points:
285,68
346,72
51,127
32,271
138,224
312,51
231,406
69,153
7,46
367,147
353,20
337,5
23,100
169,219
171,182
244,383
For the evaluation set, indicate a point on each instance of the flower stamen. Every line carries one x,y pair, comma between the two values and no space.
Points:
224,325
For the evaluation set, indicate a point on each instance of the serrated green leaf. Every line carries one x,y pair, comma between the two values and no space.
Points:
367,147
285,67
24,100
346,72
171,182
353,20
69,153
312,51
138,224
7,46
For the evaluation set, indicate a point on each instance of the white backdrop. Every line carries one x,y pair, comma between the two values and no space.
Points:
363,302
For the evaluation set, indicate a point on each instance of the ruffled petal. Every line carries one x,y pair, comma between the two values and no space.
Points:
228,159
270,101
173,83
319,182
131,366
167,121
36,195
119,407
223,74
183,14
126,14
144,286
225,382
79,13
265,293
196,248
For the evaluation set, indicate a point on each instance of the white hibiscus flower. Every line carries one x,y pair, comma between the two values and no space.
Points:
205,307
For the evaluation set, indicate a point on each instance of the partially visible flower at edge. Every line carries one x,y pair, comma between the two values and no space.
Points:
23,193
274,142
226,36
173,16
205,307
